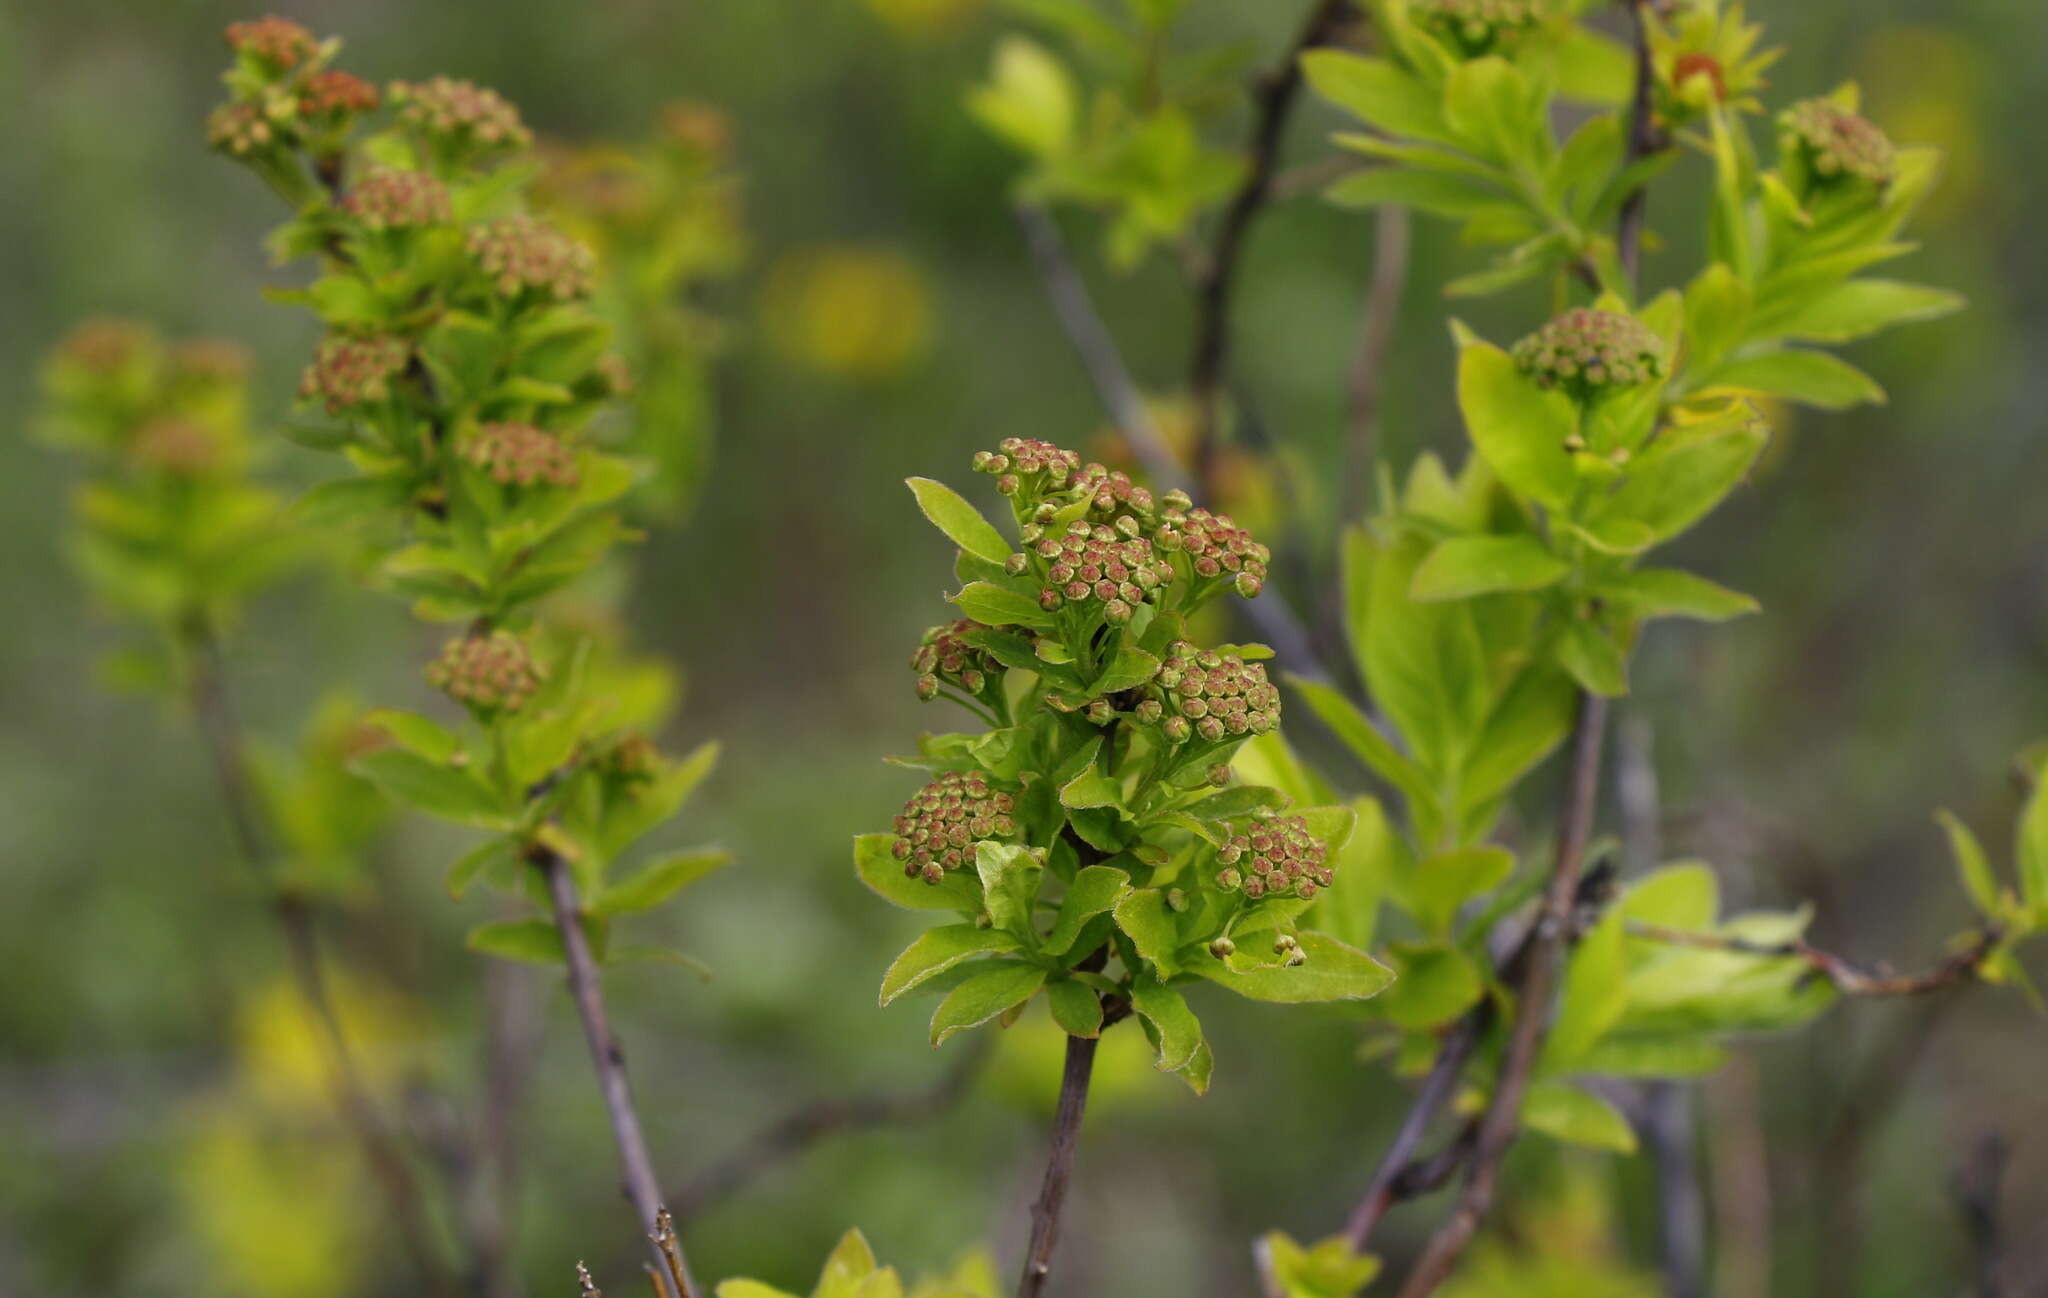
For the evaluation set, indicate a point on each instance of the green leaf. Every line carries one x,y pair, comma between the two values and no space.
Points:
1465,566
1972,867
1004,986
1076,1007
1433,985
533,940
1176,1032
1091,788
1592,658
939,949
1443,883
1130,668
422,735
1424,663
1363,738
1029,99
1569,1114
960,521
1674,485
1593,998
2032,850
1668,592
627,821
658,881
992,605
1520,428
1812,378
1717,305
876,863
1095,889
1330,1269
1435,192
1858,308
444,791
1684,895
480,860
1331,972
1009,882
1231,803
1486,103
1377,91
1143,916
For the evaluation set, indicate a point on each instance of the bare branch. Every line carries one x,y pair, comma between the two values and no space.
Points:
1059,1165
1437,1091
1643,140
1272,103
610,1062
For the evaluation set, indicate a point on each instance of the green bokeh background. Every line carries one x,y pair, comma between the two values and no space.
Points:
1901,554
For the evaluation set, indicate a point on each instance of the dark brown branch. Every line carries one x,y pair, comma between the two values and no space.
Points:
1059,1165
1845,976
1391,1177
1538,983
796,1133
1643,140
1272,103
610,1062
386,1161
1098,352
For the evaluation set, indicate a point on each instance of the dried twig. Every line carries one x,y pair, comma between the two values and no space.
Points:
1059,1165
610,1062
387,1162
797,1132
1273,102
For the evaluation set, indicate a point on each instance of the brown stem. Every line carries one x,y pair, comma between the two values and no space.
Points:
1540,975
1437,1090
1091,341
1643,140
610,1062
1272,102
386,1161
1059,1165
795,1133
1846,977
511,1047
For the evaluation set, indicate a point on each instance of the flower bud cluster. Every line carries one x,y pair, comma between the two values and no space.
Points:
1110,492
1475,25
491,673
1587,351
945,656
1027,467
348,372
943,820
240,130
181,447
522,455
1834,142
1113,567
209,362
1273,856
632,759
391,199
1215,546
279,44
519,253
1210,695
105,347
331,96
461,116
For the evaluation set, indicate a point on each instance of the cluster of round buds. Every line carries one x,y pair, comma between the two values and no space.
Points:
633,759
1210,695
1112,565
520,253
1586,351
209,361
1110,491
522,455
350,372
945,655
1835,142
105,346
461,114
331,95
943,820
1273,856
239,130
491,673
176,446
1476,24
279,44
391,199
1020,462
698,128
1215,546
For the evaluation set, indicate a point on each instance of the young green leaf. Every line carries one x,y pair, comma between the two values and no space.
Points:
1433,985
875,861
2032,850
444,791
1331,971
1130,667
1378,91
1363,738
1519,427
1669,592
1592,658
658,881
1857,309
1090,788
1443,883
1004,986
1812,378
1673,486
1176,1032
1464,566
488,857
536,941
1594,996
939,949
1972,867
993,605
1143,916
1076,1007
1095,889
1329,1269
1566,1113
960,521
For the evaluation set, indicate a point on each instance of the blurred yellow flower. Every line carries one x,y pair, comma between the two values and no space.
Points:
854,312
283,1056
276,1212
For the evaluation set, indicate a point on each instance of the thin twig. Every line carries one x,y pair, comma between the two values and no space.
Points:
1643,140
1059,1164
1369,361
795,1133
511,1047
387,1162
1272,102
1845,976
1091,341
1978,1185
1437,1091
1540,975
609,1061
